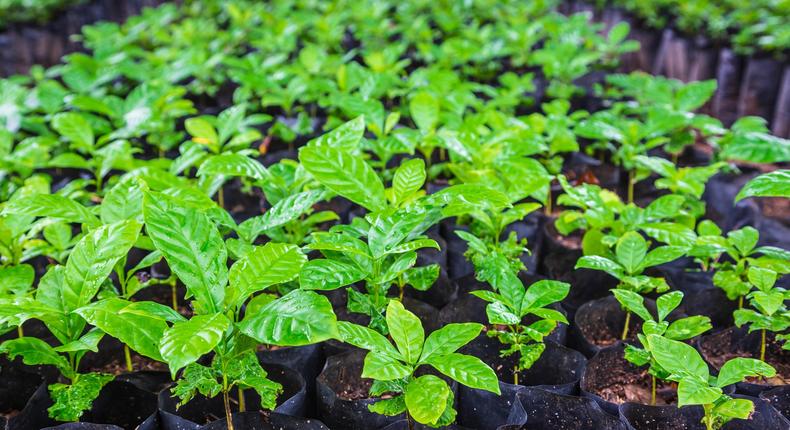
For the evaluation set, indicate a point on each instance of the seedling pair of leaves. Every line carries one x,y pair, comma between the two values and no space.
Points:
679,329
61,295
769,311
604,218
741,248
428,399
630,259
696,386
510,303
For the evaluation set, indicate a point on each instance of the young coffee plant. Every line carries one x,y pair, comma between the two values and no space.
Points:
680,329
427,398
59,295
769,311
511,304
630,259
696,386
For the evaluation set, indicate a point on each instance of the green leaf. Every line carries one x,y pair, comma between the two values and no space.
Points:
424,108
737,369
139,331
661,255
695,392
264,266
744,239
426,398
35,352
202,132
761,278
325,274
448,339
687,328
389,407
122,201
75,128
92,260
284,211
345,138
384,367
694,94
670,233
366,338
631,249
186,341
17,280
295,319
406,330
196,379
666,303
774,184
345,174
678,358
603,264
633,302
466,369
409,178
51,206
192,246
70,401
735,408
543,293
233,165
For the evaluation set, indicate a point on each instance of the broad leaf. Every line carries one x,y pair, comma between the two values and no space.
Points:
345,174
298,318
185,342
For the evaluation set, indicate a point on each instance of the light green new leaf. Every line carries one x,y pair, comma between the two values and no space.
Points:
92,260
34,352
347,175
408,179
75,128
297,318
51,206
774,184
737,369
694,392
448,339
678,358
424,108
426,398
185,342
233,165
264,266
366,338
406,330
384,368
345,138
468,370
631,250
325,274
71,400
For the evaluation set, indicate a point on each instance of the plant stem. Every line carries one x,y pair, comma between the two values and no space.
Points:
630,186
19,331
653,391
625,328
762,345
409,423
228,415
515,375
174,295
242,405
547,208
221,197
708,418
128,357
740,302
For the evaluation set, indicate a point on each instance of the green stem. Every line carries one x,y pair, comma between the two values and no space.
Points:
409,422
127,355
242,405
20,331
740,302
226,401
625,328
515,375
174,295
548,207
631,186
221,197
653,391
762,345
708,418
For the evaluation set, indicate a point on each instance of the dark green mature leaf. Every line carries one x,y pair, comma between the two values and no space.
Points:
264,266
466,369
192,246
51,206
34,352
70,401
139,331
325,274
186,341
448,339
298,318
345,174
92,260
406,330
426,398
774,184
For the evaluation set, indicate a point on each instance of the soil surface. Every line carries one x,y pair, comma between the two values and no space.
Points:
139,363
718,348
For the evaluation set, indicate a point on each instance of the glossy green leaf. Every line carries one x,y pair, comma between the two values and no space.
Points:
297,318
185,342
737,369
366,338
406,330
426,398
448,339
264,266
384,367
466,369
774,184
631,249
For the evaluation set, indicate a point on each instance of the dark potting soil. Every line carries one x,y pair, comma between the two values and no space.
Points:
611,377
718,348
601,322
117,366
